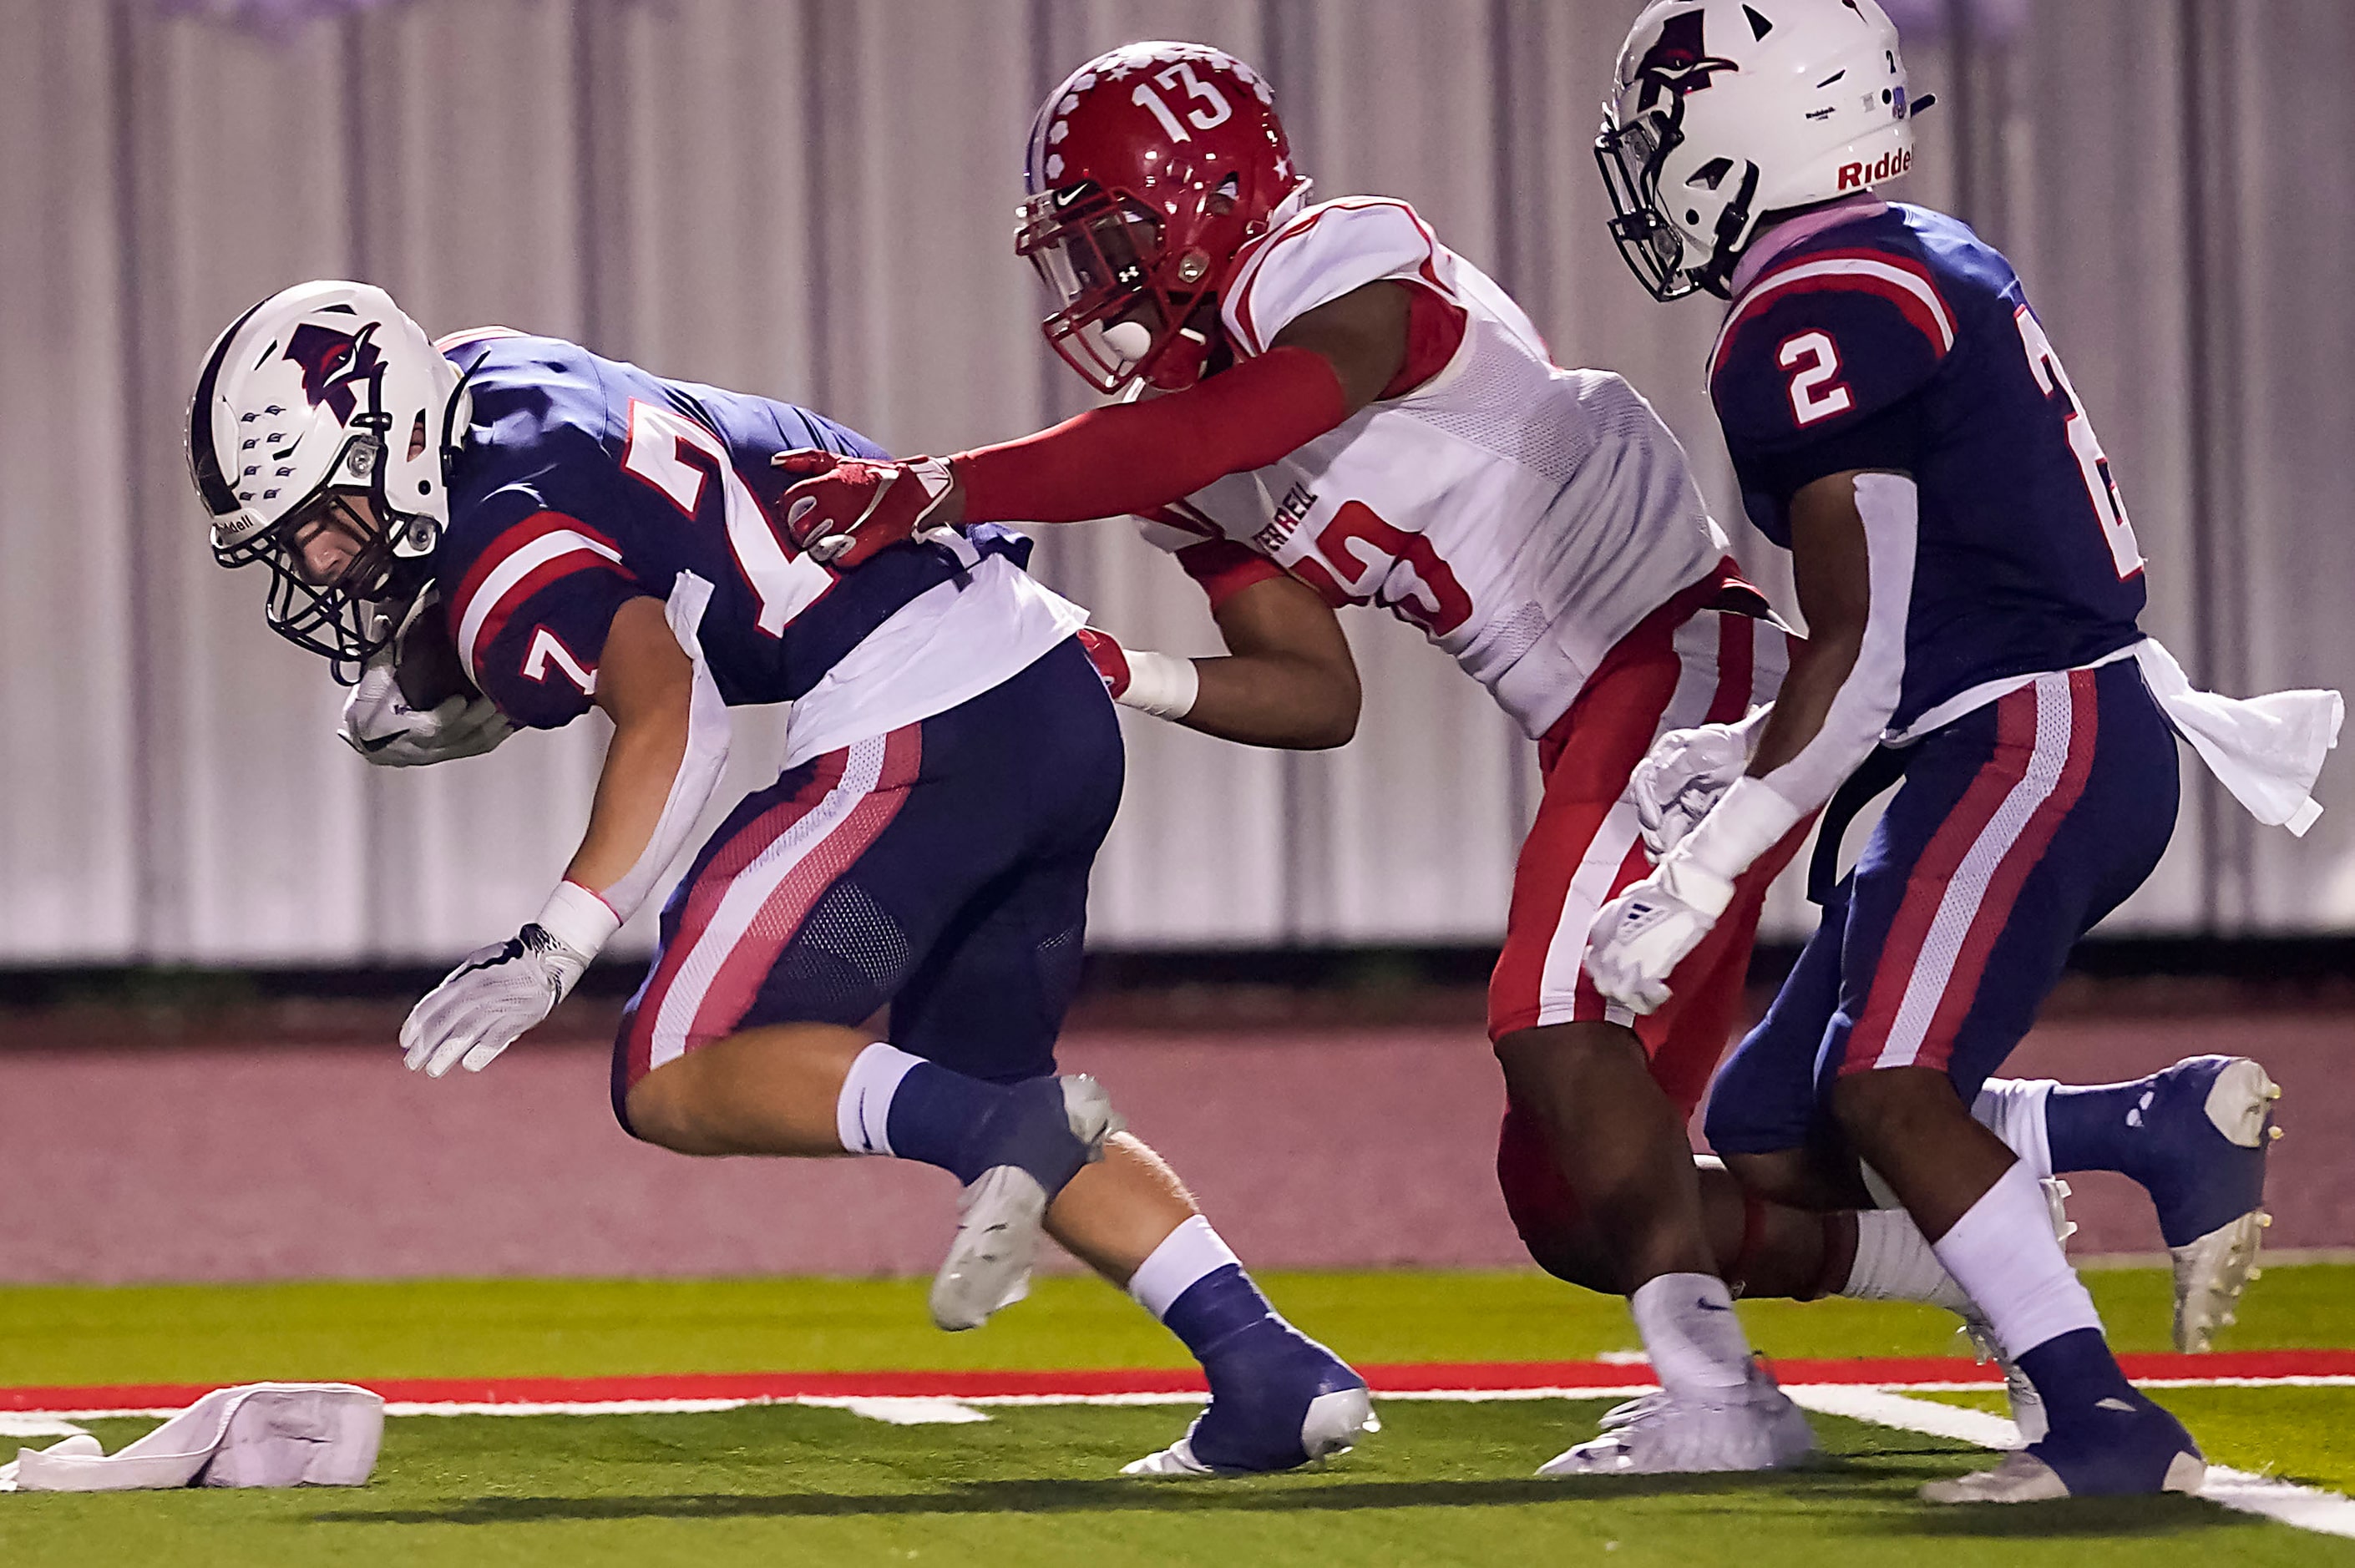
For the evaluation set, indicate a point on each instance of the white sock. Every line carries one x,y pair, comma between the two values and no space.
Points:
1183,1257
1688,1326
1894,1262
2013,1109
864,1106
2003,1254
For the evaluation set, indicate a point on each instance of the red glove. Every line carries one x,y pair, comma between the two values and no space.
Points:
844,510
1110,659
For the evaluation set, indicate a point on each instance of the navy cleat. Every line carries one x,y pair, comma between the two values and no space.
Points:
2126,1447
1278,1400
2212,1116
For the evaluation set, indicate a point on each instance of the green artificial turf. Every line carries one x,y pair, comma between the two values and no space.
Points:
1443,1483
66,1335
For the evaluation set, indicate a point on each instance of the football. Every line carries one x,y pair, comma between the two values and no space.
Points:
425,661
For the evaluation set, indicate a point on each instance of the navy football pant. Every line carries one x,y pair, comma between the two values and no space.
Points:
2018,828
940,870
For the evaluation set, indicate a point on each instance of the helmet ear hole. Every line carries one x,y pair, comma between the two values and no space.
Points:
1712,175
417,440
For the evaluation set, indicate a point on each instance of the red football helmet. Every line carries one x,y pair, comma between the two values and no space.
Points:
1150,168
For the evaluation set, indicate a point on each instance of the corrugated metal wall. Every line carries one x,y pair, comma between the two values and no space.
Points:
811,198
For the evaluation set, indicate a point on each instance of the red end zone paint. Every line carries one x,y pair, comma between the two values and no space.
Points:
1402,1379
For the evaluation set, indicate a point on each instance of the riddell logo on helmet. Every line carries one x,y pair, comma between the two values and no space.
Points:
1856,176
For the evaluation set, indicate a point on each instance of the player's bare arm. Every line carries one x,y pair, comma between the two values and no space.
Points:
1362,335
1287,680
646,685
1832,575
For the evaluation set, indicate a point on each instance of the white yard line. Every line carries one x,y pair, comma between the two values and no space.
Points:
2307,1508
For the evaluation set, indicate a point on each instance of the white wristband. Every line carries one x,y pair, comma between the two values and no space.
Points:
1161,685
577,919
1750,819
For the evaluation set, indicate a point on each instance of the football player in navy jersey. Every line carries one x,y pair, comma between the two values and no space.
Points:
595,535
1900,423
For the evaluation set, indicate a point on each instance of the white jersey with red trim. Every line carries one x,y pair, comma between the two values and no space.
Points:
1525,516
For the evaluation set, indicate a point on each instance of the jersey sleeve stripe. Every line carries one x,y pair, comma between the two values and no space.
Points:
1256,256
465,336
523,560
1910,288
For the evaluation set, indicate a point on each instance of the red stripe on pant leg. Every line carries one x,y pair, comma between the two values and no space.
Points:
1736,650
1587,757
738,983
1634,867
1925,885
2011,873
711,885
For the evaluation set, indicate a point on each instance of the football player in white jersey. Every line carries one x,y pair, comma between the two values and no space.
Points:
1330,408
1336,409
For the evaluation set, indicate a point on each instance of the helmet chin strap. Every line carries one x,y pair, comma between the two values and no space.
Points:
1734,226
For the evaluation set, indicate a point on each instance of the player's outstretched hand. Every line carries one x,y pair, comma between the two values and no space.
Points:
381,724
1683,776
844,510
1639,937
1110,659
487,1003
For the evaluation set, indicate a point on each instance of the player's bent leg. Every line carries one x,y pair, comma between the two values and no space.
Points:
1988,1221
772,1091
1278,1399
1618,1143
2194,1136
813,1089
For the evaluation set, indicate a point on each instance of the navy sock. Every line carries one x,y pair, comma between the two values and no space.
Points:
1214,1308
966,1127
2075,1371
2088,1127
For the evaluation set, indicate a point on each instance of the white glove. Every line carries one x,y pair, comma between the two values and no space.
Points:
1639,937
383,728
487,1003
1684,775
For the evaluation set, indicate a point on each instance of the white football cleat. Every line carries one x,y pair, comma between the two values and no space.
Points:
999,1215
2211,1272
2213,1268
1754,1427
2027,1406
2023,1477
1333,1425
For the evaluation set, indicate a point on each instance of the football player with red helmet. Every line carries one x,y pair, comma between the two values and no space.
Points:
1328,407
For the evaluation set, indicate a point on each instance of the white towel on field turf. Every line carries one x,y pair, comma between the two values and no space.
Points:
255,1435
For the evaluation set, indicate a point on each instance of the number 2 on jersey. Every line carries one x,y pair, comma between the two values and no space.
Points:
1819,356
2109,507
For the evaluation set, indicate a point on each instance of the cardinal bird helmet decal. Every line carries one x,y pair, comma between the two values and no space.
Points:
1679,62
332,362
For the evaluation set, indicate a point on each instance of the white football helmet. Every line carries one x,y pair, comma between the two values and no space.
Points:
317,397
1723,112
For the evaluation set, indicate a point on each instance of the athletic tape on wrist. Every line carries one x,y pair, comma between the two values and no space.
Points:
1161,685
577,917
1749,819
